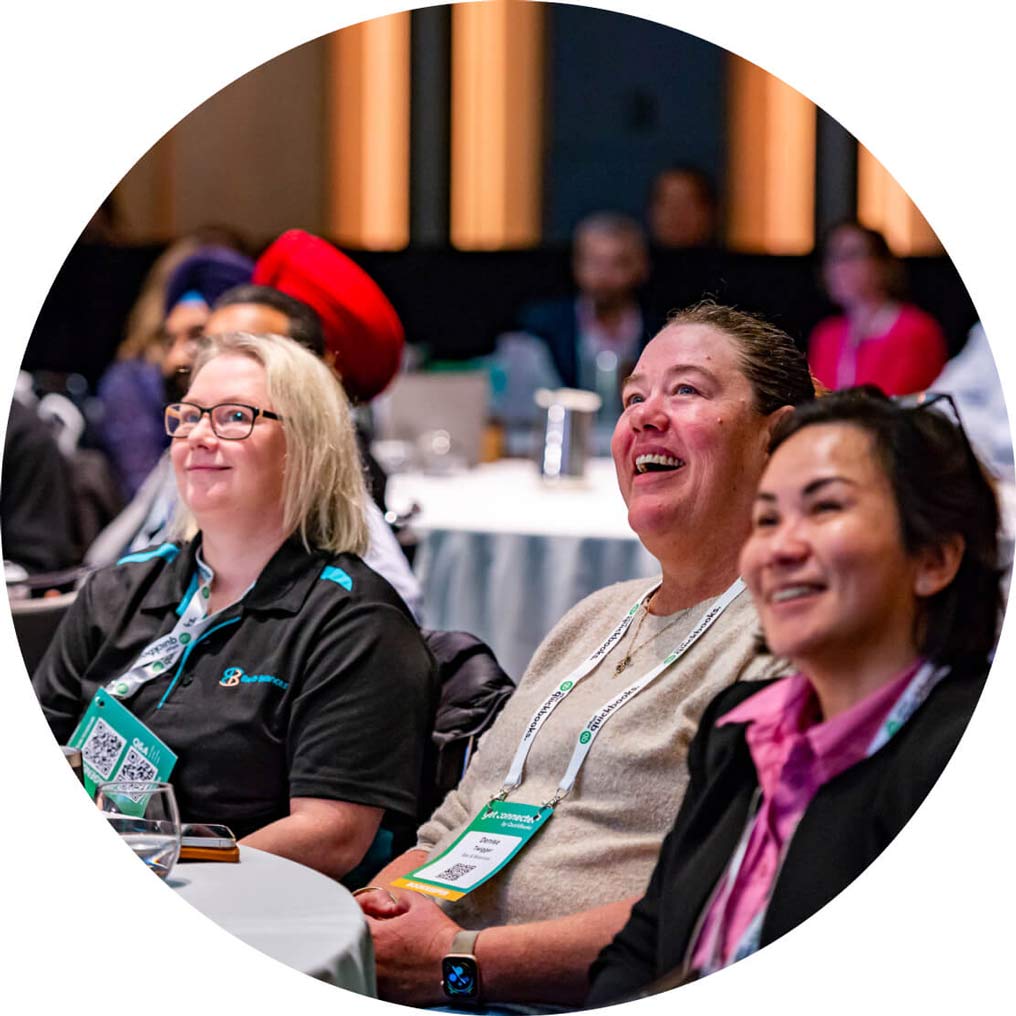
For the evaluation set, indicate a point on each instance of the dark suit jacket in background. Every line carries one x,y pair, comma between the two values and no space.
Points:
556,322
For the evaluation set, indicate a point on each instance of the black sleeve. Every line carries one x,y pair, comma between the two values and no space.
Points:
363,715
36,502
630,963
57,678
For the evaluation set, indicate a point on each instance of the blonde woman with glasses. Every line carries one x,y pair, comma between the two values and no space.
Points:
288,678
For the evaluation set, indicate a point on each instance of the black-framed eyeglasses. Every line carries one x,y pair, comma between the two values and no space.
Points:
926,400
941,402
231,421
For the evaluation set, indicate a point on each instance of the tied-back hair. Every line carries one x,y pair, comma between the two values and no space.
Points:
776,369
323,487
941,489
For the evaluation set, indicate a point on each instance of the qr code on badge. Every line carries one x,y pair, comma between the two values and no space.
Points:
136,767
102,748
455,872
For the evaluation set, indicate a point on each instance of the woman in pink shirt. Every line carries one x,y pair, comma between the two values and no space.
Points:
873,562
878,339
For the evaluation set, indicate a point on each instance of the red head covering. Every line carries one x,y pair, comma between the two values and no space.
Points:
361,327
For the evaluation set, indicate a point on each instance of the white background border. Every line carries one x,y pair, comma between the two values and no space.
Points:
89,87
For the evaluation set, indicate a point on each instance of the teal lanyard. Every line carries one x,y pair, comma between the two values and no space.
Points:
159,656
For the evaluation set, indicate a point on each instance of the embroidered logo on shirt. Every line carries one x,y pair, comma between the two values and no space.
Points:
232,676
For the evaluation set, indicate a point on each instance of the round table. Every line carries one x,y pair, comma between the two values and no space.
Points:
504,554
290,912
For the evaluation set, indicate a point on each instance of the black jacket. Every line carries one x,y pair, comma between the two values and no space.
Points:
848,824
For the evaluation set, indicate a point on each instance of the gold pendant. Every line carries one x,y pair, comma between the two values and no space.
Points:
622,665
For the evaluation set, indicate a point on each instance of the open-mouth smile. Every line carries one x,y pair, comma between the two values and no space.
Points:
657,463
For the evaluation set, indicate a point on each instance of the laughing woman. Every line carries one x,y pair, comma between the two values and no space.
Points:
289,679
873,563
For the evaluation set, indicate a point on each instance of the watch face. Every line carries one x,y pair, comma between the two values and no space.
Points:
460,977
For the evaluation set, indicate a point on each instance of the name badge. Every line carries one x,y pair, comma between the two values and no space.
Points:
490,842
116,745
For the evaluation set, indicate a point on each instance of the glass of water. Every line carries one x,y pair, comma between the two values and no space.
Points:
146,817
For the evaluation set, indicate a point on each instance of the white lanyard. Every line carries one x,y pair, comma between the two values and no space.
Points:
918,688
600,717
157,657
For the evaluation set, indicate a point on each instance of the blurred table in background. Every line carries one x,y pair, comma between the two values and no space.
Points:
288,911
504,555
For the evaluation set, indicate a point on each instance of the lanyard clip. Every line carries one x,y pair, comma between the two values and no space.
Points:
502,795
554,801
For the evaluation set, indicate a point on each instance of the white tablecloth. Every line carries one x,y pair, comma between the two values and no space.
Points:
290,912
504,555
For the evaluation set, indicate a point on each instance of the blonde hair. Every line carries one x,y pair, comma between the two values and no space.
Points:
144,324
323,489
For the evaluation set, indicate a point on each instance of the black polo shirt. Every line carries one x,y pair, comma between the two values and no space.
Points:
316,684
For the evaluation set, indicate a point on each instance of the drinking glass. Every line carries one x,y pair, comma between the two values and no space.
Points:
146,817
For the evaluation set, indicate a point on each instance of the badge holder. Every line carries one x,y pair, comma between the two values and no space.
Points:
116,745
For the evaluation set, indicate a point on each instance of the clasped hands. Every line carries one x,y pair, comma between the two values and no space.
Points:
411,936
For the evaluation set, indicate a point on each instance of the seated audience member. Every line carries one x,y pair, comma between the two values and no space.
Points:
878,339
131,389
688,449
682,210
873,563
264,580
36,496
971,378
596,336
356,320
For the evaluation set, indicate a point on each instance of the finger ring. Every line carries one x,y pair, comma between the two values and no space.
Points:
375,889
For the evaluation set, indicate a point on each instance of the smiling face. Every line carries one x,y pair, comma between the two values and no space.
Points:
232,483
689,446
825,562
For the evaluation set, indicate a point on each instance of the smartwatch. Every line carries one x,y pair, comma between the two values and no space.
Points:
460,973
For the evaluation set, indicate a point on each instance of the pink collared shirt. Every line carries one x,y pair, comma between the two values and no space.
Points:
794,756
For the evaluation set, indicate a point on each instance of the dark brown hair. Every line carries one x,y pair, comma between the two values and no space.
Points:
941,490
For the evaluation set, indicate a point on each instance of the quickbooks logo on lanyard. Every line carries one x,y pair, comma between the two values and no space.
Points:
157,657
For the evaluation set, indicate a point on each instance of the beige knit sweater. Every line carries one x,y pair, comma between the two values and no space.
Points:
602,842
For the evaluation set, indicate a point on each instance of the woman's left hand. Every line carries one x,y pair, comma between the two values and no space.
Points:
409,949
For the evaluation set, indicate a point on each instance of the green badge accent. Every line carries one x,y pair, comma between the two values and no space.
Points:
567,685
122,688
206,592
585,737
891,727
110,736
489,843
184,638
156,667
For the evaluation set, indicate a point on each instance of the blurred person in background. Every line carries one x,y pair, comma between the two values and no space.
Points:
682,211
131,389
873,562
971,378
879,338
609,263
37,522
590,340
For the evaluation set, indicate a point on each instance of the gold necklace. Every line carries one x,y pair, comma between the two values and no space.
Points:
623,665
